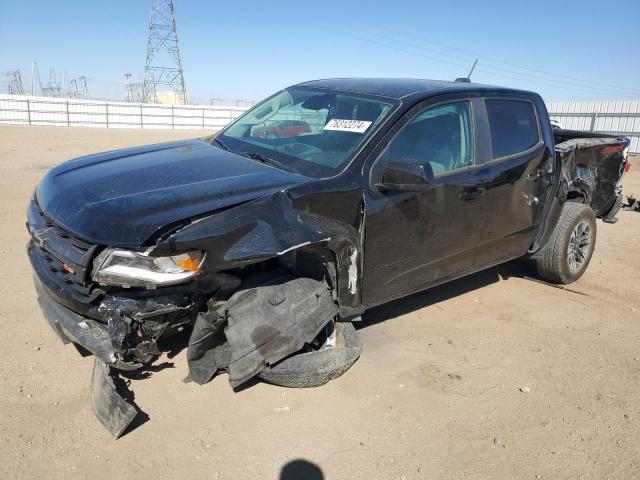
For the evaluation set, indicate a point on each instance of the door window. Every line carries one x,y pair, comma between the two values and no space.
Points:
513,126
441,136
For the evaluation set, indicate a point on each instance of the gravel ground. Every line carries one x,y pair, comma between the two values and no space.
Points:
490,376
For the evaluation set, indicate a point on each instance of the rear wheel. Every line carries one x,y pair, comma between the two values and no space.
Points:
568,252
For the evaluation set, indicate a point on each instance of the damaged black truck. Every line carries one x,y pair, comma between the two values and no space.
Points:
265,241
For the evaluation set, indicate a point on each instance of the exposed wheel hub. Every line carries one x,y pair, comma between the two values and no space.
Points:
578,248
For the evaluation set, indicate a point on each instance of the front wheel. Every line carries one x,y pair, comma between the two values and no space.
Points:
568,252
319,364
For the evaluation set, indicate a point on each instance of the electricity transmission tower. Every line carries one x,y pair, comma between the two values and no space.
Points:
15,83
54,87
163,68
76,88
132,89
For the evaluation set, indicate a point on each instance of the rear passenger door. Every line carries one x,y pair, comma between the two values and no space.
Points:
516,178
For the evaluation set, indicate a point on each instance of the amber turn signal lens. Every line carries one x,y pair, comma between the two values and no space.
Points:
189,263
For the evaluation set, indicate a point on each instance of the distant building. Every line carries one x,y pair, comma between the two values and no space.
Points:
168,98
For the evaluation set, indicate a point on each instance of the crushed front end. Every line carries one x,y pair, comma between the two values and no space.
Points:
121,327
270,314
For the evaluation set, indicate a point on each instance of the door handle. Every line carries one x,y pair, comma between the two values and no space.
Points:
471,193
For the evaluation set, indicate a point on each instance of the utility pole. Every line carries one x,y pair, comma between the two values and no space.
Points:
65,86
163,66
127,88
35,79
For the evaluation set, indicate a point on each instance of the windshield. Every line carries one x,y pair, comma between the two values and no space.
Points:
304,130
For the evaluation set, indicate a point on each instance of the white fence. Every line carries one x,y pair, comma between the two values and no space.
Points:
618,118
28,110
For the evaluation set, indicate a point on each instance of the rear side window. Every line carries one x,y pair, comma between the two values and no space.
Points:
513,125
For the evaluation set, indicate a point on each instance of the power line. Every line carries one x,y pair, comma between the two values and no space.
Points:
496,70
616,88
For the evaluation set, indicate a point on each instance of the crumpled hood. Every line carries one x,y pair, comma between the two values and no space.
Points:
123,197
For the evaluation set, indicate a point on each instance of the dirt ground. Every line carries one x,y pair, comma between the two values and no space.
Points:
491,376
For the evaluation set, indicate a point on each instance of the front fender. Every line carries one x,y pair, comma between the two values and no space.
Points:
271,227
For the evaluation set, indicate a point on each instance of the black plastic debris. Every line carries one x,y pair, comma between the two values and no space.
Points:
258,327
632,204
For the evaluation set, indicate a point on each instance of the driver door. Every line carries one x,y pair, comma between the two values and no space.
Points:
417,238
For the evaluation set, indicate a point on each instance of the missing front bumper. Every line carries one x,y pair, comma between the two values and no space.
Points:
71,327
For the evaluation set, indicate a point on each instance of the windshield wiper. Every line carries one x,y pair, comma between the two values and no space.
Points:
222,145
266,160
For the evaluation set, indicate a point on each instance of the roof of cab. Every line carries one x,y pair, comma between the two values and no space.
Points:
400,87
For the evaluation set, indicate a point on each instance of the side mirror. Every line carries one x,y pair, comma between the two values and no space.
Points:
406,175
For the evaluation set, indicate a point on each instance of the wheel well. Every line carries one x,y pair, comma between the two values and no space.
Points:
313,262
576,196
309,261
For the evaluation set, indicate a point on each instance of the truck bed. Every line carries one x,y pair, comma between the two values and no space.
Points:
593,164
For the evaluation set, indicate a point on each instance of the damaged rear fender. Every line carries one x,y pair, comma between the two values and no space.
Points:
592,168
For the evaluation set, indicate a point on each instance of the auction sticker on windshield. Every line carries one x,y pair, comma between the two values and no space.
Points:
357,126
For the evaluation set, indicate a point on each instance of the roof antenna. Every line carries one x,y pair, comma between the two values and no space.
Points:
467,79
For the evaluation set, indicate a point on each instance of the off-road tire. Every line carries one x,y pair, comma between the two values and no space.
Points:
312,369
554,261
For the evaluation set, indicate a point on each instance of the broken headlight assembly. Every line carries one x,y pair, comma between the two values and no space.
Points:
128,268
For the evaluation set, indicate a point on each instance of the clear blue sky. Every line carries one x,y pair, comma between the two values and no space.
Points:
249,49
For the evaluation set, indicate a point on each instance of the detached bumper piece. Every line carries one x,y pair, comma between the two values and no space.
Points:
109,406
112,401
258,327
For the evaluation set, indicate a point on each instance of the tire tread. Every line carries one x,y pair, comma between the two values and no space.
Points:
551,258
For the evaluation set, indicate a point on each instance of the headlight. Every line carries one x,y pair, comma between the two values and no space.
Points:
128,268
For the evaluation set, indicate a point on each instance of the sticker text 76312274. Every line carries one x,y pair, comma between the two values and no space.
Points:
357,126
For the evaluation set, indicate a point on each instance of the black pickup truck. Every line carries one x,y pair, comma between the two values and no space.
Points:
266,240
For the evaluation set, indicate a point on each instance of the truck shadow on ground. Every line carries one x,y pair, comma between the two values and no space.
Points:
446,291
172,346
299,469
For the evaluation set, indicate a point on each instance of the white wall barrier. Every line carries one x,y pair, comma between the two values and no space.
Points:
29,110
616,117
619,117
